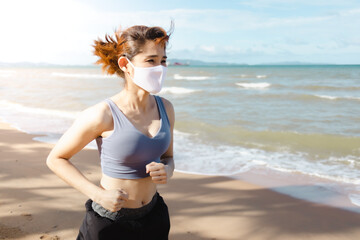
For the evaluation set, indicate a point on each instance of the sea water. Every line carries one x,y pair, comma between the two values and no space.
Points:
278,122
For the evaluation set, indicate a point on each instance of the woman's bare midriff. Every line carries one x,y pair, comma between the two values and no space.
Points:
140,191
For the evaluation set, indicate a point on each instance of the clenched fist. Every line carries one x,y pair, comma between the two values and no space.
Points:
113,199
158,172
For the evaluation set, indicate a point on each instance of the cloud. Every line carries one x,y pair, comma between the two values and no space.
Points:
350,12
208,48
255,53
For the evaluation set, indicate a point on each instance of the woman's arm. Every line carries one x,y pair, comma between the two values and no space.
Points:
161,172
169,166
90,124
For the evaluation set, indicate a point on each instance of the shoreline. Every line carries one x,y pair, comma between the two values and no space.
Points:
297,185
37,204
309,188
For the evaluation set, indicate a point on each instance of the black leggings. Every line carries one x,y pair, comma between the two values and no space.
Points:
153,226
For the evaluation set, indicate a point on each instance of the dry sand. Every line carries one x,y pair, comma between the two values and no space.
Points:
36,204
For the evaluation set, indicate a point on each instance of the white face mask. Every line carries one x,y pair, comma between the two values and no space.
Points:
149,78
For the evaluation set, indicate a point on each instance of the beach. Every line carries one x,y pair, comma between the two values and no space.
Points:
266,94
36,204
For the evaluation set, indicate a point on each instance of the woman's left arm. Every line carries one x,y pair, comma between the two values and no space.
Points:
161,172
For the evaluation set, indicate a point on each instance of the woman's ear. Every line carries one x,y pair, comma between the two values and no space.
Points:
122,62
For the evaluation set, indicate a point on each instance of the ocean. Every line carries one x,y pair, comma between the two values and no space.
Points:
294,129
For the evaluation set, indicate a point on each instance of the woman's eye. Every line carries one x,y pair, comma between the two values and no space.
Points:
150,60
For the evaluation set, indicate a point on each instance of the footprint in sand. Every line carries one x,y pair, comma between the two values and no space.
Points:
27,216
48,237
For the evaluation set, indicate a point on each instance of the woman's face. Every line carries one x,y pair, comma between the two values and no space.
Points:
152,55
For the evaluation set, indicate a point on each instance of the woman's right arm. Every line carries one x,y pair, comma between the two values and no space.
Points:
89,125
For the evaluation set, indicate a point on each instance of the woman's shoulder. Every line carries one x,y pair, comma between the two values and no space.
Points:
169,108
97,116
166,102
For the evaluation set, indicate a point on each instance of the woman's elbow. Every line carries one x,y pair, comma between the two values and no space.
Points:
50,162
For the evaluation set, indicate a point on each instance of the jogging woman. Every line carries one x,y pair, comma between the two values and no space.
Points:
134,133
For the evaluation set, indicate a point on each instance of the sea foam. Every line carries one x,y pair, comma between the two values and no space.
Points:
177,90
226,159
7,73
261,85
261,76
355,199
250,76
19,108
34,120
327,97
81,75
337,98
190,78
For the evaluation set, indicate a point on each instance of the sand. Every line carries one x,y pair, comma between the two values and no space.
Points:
36,204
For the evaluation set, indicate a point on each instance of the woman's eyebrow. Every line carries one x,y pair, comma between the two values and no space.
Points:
152,56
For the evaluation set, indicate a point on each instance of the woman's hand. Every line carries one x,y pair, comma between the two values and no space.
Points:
113,200
159,172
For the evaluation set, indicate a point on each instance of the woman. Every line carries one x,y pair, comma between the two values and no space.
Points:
134,133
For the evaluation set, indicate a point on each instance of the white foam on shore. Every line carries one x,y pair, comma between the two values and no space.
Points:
353,98
337,98
190,78
261,85
33,120
7,73
355,199
178,90
227,160
319,174
261,76
81,75
250,76
19,108
327,97
323,180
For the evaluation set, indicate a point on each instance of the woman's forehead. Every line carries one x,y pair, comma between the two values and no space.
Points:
151,48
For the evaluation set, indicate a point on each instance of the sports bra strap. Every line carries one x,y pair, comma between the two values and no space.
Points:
119,118
162,108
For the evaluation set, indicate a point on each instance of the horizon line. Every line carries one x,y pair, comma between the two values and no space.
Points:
199,62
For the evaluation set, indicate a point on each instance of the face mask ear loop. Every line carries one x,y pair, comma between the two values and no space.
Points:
130,62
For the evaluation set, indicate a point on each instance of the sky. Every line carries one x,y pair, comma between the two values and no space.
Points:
242,31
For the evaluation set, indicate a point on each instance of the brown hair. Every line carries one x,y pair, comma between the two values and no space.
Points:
127,43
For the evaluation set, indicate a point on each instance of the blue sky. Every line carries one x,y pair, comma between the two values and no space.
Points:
243,31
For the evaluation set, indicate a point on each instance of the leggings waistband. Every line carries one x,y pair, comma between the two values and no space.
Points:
125,213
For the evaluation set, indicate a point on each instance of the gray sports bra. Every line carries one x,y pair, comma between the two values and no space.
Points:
125,153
